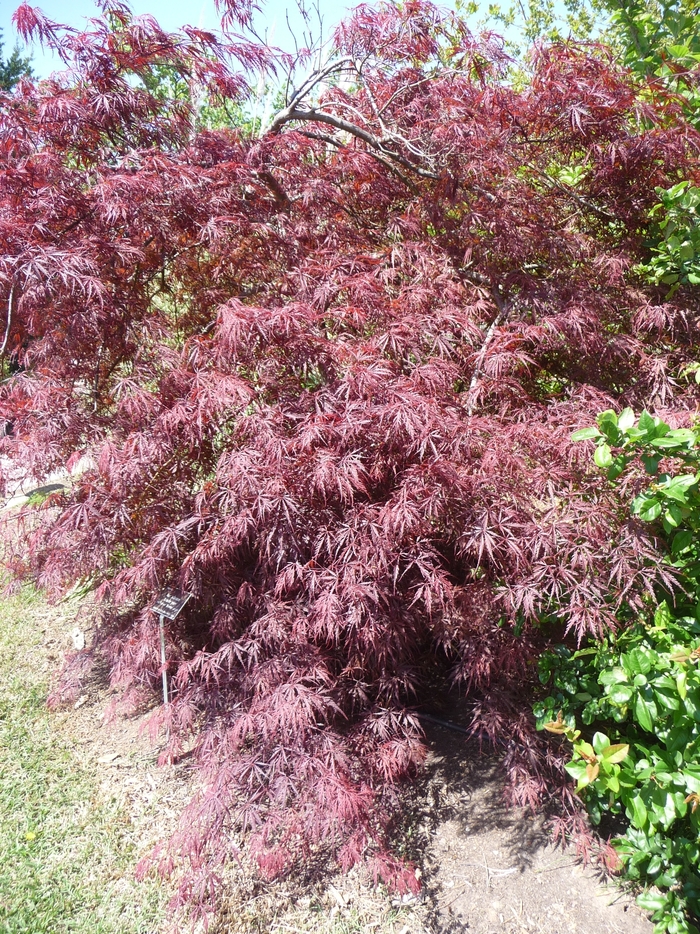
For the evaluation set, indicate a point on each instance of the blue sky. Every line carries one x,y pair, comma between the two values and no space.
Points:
171,14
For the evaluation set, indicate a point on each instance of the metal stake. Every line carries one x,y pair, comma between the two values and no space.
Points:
162,658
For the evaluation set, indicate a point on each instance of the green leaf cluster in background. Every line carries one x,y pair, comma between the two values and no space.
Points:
661,39
675,247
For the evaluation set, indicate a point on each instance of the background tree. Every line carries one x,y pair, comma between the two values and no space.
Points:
324,380
13,68
529,21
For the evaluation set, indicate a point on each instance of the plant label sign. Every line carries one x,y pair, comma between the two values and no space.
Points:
170,602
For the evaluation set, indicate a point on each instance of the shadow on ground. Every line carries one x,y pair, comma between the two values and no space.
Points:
488,869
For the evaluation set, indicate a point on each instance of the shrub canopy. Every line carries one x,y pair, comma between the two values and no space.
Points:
323,378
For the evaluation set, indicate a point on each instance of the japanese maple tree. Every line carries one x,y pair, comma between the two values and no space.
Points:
323,379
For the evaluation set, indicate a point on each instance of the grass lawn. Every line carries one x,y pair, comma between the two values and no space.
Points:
66,851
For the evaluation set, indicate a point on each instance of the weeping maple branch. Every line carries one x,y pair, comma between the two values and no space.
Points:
387,163
278,192
314,115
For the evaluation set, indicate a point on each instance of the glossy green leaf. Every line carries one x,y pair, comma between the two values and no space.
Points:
681,541
651,901
662,615
607,422
584,434
616,752
643,714
650,510
673,516
668,442
617,467
625,419
678,487
615,675
651,462
640,660
646,423
637,812
621,695
682,685
603,456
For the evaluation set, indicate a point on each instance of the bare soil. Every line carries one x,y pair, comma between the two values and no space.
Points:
485,869
493,869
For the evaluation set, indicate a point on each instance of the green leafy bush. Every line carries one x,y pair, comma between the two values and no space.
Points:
636,693
659,40
675,258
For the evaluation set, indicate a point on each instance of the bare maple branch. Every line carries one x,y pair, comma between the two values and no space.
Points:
314,115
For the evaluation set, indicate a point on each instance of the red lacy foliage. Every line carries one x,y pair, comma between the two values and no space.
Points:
326,383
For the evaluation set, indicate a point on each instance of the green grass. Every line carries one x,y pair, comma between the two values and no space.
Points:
66,851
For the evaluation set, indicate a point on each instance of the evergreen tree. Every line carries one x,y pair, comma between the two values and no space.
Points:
14,68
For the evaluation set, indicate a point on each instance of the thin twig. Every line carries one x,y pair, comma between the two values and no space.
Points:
570,193
457,893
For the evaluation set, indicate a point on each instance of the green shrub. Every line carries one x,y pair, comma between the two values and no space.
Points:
675,245
630,703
